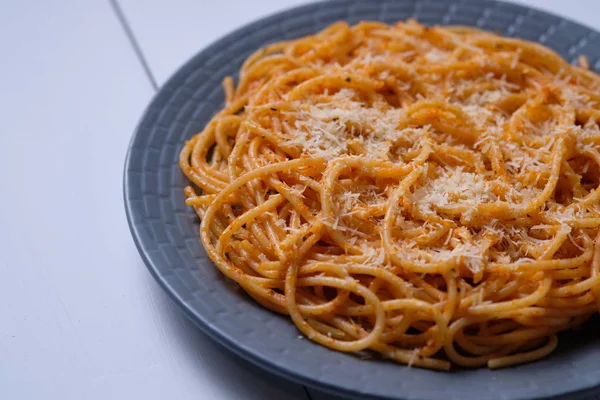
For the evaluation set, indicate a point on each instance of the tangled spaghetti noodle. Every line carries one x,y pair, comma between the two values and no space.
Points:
430,194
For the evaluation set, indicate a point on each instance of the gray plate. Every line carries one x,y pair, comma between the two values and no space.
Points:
166,231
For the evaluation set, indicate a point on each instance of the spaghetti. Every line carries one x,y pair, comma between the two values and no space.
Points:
430,194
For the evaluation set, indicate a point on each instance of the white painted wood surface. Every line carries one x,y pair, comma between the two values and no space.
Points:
81,318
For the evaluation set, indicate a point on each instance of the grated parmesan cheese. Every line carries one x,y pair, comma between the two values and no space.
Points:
324,129
452,186
436,55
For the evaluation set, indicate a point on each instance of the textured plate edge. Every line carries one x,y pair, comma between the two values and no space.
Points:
220,336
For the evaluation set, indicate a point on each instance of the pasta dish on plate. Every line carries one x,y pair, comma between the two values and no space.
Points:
430,194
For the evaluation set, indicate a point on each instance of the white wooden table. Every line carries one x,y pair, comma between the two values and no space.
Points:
80,317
